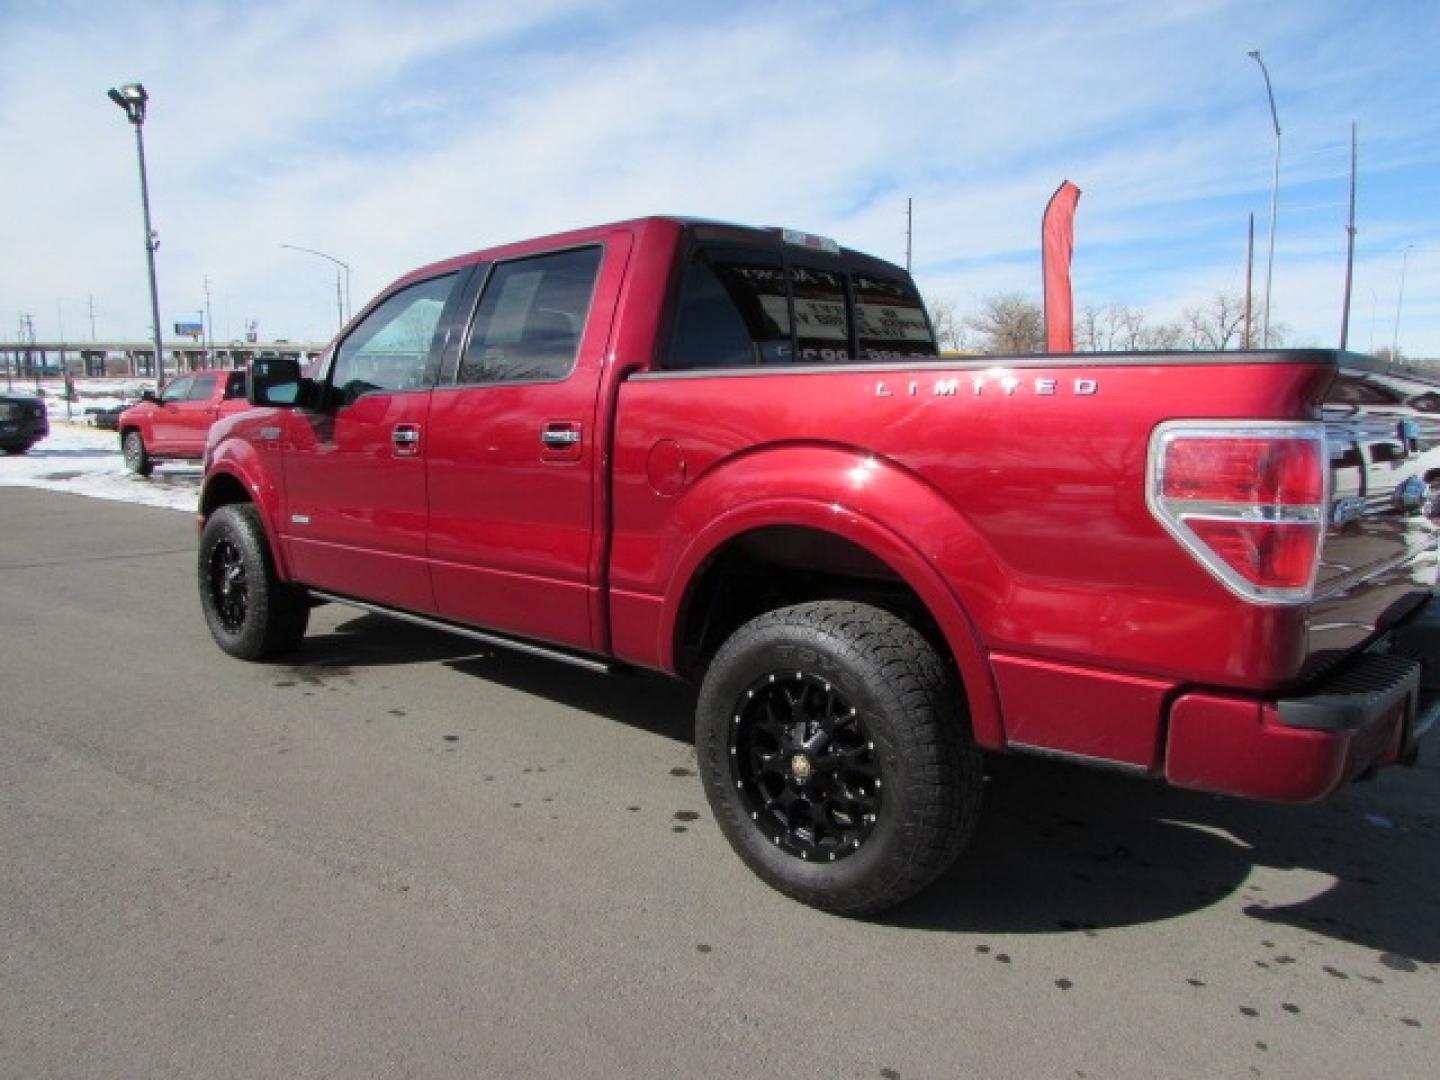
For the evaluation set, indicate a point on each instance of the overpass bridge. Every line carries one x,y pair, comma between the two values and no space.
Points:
30,359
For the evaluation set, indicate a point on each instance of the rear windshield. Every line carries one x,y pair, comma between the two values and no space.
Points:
742,308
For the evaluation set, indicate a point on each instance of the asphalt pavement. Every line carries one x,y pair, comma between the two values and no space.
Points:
400,855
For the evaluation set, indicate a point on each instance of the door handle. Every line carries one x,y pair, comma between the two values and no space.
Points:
559,440
406,439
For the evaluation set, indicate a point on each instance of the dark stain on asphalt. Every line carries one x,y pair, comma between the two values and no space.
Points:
398,712
1334,972
451,738
1396,962
1195,982
686,815
680,770
1291,1009
678,828
1261,1045
982,949
1003,958
287,682
1064,984
890,1074
516,805
1246,1010
1410,1021
703,948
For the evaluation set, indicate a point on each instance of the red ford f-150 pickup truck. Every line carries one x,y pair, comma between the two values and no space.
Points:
734,455
174,426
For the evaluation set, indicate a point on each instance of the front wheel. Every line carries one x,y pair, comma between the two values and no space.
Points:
836,755
137,458
17,448
251,613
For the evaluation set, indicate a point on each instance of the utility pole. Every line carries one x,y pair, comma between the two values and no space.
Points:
132,98
909,230
1399,299
1274,195
1349,248
1249,268
209,327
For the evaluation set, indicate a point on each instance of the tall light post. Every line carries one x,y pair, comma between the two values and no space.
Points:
1399,299
1274,196
342,266
132,98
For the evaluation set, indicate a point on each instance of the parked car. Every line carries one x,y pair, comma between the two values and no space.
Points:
23,422
734,455
173,426
107,417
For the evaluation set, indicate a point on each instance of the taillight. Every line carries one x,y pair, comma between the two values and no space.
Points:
1247,500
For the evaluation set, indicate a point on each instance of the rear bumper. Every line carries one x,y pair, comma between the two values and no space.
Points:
1371,712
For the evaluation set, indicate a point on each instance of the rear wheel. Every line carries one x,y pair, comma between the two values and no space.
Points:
836,755
251,613
137,458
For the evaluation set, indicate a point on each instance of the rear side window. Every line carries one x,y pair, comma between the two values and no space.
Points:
235,385
530,317
202,388
733,312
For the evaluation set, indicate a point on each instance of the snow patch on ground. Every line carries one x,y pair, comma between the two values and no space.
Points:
84,461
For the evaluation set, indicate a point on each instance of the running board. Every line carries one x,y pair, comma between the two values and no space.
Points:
589,664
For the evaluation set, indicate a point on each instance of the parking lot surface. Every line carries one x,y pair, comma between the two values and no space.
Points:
396,855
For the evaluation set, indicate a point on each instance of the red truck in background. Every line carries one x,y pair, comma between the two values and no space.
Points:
734,455
174,425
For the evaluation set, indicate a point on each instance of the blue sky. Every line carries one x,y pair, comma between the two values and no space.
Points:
393,135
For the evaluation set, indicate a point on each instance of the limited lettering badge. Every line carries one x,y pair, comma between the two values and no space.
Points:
1006,384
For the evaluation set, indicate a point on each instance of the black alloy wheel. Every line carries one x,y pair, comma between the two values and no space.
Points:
229,590
805,767
837,756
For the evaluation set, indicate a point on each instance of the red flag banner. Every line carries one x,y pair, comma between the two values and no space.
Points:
1057,237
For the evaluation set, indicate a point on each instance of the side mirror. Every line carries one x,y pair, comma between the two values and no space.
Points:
148,395
278,382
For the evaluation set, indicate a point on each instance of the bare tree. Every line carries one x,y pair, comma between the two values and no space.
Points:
949,330
1009,323
1220,324
1112,328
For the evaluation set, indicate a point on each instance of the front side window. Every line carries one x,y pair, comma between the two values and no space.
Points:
178,389
389,350
531,314
202,388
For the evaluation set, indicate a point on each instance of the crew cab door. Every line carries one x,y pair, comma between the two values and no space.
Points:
514,455
193,416
354,512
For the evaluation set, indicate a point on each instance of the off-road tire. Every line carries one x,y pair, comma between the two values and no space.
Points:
137,458
922,774
251,613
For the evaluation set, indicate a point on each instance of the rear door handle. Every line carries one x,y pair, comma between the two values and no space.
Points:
406,439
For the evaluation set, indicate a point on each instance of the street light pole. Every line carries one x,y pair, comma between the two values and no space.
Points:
1399,299
132,98
340,305
1274,196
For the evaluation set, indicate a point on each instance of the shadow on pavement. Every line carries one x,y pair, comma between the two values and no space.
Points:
1061,848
